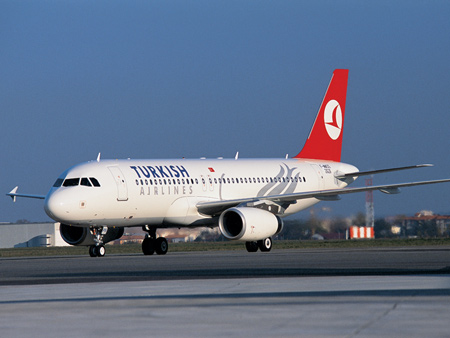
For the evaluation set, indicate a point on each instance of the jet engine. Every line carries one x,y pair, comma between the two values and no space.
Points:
82,236
249,224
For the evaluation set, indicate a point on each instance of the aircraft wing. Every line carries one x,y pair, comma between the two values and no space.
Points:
216,207
13,194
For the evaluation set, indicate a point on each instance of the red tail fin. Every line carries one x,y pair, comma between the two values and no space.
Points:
325,139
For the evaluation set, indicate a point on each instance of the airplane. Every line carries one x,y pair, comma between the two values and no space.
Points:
246,198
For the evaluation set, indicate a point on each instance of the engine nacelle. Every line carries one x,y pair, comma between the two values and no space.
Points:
82,236
249,224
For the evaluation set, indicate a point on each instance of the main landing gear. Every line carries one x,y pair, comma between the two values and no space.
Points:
265,245
98,250
151,244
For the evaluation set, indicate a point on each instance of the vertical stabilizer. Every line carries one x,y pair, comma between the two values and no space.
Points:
325,139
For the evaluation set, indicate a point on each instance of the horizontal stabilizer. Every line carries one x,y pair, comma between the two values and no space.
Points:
372,172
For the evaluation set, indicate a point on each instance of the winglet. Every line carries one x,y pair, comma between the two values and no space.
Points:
325,139
12,193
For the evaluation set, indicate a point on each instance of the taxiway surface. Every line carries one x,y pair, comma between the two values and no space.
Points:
397,292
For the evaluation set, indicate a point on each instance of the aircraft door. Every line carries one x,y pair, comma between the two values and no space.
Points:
121,183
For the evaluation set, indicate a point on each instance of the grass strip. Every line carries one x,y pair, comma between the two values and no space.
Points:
215,246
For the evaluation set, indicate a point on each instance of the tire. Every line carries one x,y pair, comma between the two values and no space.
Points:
251,246
92,251
101,251
265,245
148,246
161,246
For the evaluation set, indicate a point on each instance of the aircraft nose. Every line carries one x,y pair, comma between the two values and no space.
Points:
54,206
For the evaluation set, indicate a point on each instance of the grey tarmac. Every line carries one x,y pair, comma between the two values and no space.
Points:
396,292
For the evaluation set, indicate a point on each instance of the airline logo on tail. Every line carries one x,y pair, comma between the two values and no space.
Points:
333,119
325,139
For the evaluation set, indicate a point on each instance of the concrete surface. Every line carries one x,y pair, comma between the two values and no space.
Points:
364,306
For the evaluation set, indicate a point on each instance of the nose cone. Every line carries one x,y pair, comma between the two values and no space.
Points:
55,207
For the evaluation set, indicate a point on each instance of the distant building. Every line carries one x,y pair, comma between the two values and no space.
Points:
426,224
22,235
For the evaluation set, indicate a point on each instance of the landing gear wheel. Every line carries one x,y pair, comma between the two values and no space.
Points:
251,246
161,246
148,246
97,251
265,245
92,251
101,251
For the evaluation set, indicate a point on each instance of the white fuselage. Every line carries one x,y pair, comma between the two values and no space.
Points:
165,193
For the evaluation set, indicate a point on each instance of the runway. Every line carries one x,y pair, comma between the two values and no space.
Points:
401,292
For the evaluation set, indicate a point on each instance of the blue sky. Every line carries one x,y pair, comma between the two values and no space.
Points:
167,79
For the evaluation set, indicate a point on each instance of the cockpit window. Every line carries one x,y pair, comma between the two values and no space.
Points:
71,182
58,183
94,182
85,182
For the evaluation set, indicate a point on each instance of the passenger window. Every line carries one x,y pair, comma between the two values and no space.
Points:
85,182
58,183
71,182
94,182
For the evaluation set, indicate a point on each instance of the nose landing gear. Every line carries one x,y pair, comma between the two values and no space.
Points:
98,250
